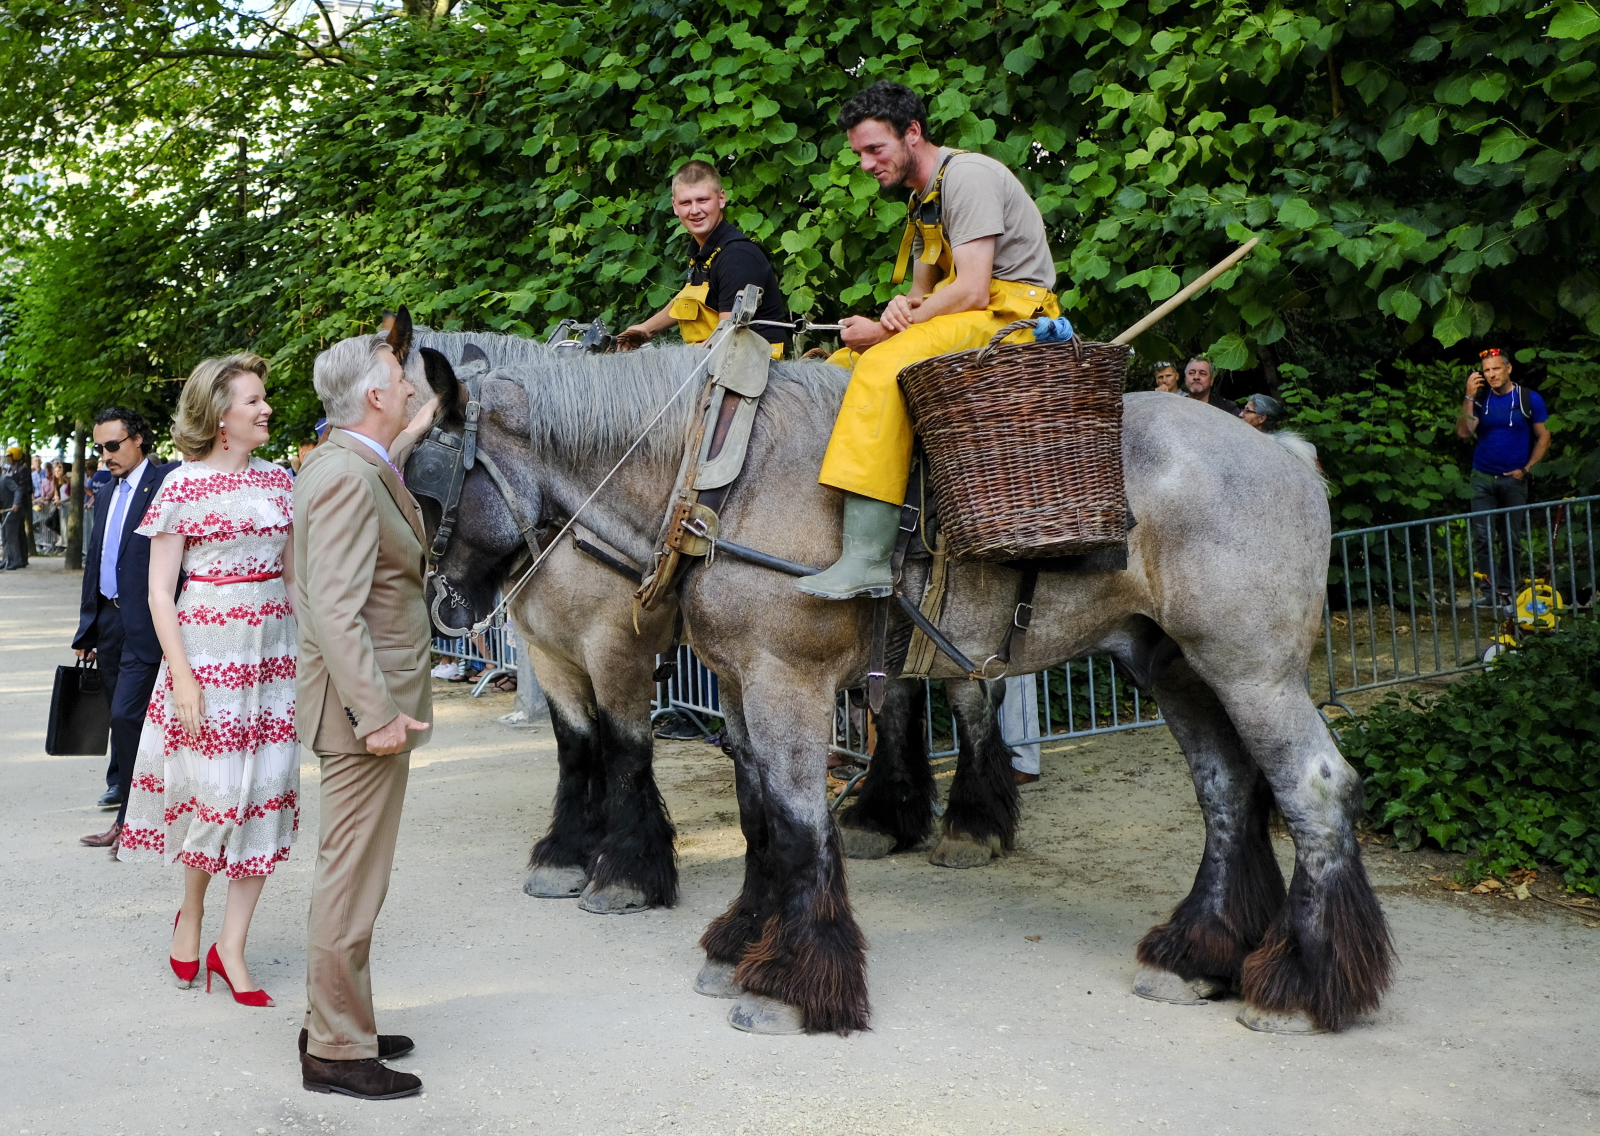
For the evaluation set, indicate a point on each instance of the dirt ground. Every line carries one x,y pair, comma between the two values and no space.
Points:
1001,998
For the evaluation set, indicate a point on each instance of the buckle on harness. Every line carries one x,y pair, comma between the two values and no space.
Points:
1022,618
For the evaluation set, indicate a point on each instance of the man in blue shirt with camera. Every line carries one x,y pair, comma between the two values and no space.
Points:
1508,421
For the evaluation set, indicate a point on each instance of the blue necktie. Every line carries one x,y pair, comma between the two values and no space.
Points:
111,543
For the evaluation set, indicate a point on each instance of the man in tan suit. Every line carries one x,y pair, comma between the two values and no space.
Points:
364,698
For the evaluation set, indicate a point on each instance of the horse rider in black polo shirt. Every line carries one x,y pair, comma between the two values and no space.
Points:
722,261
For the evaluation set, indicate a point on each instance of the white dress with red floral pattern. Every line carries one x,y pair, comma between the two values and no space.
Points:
231,802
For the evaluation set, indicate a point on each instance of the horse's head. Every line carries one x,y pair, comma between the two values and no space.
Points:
473,486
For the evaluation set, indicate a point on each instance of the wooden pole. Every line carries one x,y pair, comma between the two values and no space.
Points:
1182,297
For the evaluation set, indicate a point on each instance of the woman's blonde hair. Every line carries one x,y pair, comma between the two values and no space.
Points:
207,394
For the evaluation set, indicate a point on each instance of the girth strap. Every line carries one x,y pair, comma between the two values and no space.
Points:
1021,616
877,662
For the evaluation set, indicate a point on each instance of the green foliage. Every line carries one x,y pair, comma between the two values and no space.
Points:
1389,453
1504,765
510,170
1570,387
122,279
1418,172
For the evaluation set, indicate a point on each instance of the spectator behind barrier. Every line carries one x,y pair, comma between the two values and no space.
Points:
15,517
1508,421
1263,412
1199,376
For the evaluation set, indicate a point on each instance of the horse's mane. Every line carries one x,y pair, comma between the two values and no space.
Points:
501,350
594,406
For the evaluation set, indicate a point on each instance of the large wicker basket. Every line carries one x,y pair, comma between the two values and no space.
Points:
1024,446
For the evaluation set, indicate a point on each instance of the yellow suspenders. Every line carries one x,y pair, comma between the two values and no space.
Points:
926,219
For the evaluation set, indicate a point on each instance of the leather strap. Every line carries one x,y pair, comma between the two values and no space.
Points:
875,661
1021,615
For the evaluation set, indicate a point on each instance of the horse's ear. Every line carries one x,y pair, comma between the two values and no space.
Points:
398,326
442,380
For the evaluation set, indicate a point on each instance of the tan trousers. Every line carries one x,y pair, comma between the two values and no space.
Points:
361,799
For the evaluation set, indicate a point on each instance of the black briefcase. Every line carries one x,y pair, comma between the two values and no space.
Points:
80,715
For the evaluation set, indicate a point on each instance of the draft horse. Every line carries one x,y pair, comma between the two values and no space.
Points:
1215,614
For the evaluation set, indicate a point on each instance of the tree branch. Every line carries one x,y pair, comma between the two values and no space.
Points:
327,18
204,53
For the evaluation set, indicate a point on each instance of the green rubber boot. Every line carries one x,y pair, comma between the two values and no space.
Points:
870,527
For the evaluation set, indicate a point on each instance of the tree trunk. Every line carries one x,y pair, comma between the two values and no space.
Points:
73,558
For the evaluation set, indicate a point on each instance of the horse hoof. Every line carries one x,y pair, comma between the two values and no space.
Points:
864,844
555,883
715,980
1277,1021
1164,986
755,1014
613,899
964,852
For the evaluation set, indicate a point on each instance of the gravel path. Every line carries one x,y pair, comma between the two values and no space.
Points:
1001,995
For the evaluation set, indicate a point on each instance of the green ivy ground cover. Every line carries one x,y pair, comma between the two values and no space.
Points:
1505,765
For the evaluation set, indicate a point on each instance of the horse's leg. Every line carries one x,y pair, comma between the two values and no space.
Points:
731,933
560,858
1199,952
634,867
980,816
808,969
894,810
1326,958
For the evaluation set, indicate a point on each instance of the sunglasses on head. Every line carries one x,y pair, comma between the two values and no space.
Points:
112,446
1491,351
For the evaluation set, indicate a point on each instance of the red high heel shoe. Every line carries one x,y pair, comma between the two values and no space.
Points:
186,971
248,998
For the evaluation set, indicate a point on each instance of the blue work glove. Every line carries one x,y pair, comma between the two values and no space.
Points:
1048,330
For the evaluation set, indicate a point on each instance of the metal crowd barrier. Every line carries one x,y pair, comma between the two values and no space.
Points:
1426,599
496,650
1405,602
1081,698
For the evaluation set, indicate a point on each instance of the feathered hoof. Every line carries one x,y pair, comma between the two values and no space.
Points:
715,980
555,883
754,1014
964,852
613,899
864,844
1164,986
1277,1021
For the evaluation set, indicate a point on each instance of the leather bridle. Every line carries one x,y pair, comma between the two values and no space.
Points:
437,469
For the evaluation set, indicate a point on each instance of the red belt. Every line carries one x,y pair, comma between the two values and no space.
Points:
252,578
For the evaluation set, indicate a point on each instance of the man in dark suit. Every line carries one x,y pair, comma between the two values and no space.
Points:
114,626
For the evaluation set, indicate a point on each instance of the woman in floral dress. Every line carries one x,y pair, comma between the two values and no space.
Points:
216,786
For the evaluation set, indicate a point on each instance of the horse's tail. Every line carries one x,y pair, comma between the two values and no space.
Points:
1303,451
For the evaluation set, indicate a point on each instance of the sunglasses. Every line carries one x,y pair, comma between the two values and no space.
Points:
112,446
1491,351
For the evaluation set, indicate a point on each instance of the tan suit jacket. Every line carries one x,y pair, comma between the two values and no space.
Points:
358,576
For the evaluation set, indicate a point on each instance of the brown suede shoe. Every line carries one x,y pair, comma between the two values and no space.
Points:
106,839
390,1045
366,1079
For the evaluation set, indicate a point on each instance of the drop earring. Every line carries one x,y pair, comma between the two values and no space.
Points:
224,431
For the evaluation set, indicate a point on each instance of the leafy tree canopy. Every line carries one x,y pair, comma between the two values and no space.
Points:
1420,172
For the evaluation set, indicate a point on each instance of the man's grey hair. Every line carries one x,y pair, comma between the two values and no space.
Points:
345,372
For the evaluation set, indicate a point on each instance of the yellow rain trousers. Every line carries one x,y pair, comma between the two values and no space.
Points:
870,450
